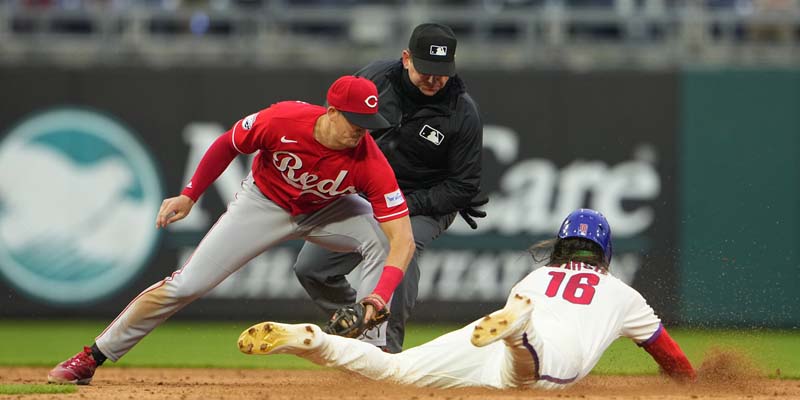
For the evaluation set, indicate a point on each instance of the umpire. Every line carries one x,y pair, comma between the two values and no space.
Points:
434,147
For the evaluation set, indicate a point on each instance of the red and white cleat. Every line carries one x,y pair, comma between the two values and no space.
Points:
77,370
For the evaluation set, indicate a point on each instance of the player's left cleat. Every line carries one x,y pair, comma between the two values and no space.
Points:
511,319
77,370
277,338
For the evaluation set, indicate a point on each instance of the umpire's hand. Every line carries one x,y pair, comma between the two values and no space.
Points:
173,209
471,211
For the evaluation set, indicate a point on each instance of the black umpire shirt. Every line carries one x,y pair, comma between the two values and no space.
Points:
435,143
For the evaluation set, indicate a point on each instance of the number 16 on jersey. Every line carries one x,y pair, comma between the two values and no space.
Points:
580,288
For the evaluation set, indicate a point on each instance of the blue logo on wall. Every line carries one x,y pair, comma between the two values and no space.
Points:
78,200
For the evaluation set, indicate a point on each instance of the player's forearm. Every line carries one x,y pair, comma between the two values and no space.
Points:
669,356
214,162
401,249
400,253
401,242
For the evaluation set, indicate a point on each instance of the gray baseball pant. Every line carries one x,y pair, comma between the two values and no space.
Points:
252,225
322,273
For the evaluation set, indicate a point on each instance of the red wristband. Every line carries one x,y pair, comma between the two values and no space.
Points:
390,278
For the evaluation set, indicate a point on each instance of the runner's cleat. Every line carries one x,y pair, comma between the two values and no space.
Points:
511,319
277,338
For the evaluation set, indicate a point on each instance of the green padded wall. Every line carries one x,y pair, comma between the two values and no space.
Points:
740,191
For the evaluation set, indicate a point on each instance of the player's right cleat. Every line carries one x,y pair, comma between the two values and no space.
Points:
503,323
277,338
79,369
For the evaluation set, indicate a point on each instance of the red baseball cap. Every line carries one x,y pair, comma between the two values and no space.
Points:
357,99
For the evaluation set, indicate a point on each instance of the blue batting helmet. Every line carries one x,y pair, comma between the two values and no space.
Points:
588,224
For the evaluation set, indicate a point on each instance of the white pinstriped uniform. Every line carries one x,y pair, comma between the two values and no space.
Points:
562,343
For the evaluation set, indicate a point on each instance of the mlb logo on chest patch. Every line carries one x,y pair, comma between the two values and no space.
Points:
431,135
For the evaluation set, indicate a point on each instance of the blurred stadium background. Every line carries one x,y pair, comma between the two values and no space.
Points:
679,119
499,34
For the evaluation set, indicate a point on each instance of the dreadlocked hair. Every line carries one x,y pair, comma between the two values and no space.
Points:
562,251
542,250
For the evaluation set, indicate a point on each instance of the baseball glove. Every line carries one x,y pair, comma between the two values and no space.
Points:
349,321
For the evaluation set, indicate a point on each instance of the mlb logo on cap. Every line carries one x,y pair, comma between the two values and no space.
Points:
583,228
440,51
433,49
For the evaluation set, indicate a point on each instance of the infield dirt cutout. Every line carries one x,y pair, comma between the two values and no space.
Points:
723,374
252,384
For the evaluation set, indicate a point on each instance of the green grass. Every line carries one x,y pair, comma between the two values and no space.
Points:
769,351
37,389
174,344
213,344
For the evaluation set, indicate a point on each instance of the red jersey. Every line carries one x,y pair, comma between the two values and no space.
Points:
301,175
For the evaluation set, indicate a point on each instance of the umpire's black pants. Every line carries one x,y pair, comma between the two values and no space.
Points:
322,274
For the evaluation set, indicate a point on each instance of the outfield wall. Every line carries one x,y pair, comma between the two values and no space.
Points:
77,208
740,185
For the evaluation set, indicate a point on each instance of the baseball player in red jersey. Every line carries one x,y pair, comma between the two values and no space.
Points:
311,163
555,326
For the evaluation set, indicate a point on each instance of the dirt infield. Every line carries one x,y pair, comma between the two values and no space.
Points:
185,384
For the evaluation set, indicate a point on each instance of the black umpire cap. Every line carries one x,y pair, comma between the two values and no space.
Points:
433,49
